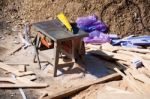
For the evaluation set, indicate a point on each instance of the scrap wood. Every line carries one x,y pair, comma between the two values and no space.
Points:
108,54
14,71
127,63
134,54
22,68
146,63
144,71
30,77
71,91
43,95
141,77
14,63
144,87
16,50
91,47
20,83
23,85
131,82
116,90
138,75
111,48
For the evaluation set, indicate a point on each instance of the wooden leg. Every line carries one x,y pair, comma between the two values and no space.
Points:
73,50
81,50
36,45
56,57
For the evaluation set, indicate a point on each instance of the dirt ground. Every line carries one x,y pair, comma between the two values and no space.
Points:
123,17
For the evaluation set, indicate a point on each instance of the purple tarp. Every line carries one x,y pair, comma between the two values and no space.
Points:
95,28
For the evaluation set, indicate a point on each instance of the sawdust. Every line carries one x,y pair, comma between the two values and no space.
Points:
110,90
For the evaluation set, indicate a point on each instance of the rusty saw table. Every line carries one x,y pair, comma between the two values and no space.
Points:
55,30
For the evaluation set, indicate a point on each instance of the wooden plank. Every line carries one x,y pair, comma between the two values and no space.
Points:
146,63
134,54
8,80
14,71
71,91
16,50
137,75
22,68
20,83
109,47
108,54
15,64
144,71
130,81
40,85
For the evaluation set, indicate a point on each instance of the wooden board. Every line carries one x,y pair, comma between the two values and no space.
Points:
134,54
8,82
71,91
108,54
23,86
14,70
109,47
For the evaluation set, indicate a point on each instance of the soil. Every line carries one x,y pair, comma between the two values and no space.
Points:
123,17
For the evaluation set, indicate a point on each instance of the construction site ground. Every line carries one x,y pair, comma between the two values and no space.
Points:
121,19
95,67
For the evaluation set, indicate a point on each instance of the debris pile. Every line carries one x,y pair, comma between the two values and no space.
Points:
134,60
19,79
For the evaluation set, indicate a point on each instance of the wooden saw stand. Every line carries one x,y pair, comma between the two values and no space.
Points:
60,37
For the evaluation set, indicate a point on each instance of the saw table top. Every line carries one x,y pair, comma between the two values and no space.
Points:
55,30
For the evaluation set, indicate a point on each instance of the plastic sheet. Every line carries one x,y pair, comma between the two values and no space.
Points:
95,28
97,37
133,41
91,23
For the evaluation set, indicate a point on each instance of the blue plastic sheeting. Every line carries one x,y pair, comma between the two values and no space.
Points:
95,28
132,41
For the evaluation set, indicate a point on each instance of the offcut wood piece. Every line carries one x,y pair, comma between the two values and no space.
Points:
134,54
144,87
43,95
145,71
20,83
109,47
30,77
16,50
141,77
14,71
146,63
92,47
108,54
14,64
22,68
131,82
124,62
71,91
